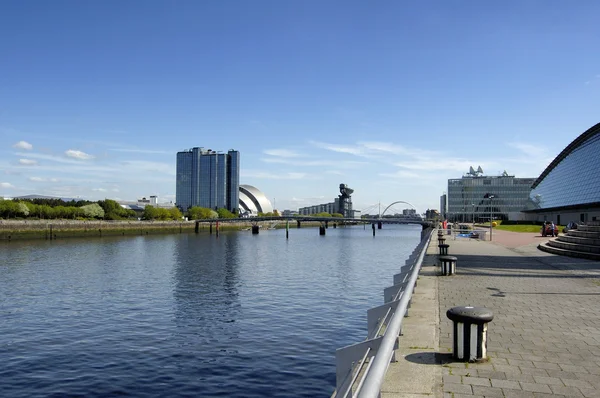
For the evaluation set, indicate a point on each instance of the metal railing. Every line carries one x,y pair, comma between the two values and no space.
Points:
361,367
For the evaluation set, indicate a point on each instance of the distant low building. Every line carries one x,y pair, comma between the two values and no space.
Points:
342,205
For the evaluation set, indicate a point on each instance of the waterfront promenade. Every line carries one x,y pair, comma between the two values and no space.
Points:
544,339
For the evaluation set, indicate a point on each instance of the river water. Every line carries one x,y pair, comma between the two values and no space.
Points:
238,315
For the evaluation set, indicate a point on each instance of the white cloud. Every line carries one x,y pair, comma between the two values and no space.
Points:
352,150
72,153
316,163
28,162
138,150
273,176
284,153
99,190
23,145
36,179
529,149
6,185
402,174
137,166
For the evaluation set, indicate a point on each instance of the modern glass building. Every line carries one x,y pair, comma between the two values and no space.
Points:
569,188
207,178
477,197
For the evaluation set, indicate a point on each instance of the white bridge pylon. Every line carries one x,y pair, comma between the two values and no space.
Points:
395,203
378,205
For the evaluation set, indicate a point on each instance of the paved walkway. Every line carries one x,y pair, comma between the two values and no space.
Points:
544,339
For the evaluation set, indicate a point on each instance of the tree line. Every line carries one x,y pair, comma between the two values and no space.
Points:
107,209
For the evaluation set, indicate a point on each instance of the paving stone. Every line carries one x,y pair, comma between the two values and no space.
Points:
577,383
491,374
535,387
567,391
505,384
573,368
548,380
517,394
488,391
533,371
458,388
590,392
479,381
452,379
546,365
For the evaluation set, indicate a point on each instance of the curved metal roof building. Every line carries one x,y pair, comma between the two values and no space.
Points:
253,200
572,180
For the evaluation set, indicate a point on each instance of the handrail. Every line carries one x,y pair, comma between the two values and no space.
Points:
374,378
366,381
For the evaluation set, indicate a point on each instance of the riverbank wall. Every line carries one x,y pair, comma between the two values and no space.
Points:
57,229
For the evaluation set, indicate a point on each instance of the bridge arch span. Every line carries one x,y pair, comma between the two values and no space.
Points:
395,203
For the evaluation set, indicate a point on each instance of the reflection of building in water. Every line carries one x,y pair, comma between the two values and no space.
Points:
342,205
205,288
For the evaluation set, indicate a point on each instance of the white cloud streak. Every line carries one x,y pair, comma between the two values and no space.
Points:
23,145
28,162
6,185
283,153
72,153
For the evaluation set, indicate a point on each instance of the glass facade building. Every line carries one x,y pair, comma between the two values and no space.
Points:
569,188
207,178
476,197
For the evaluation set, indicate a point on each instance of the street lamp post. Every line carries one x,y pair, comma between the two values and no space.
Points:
473,215
491,215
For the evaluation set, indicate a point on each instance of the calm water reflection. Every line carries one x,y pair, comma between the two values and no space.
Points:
190,315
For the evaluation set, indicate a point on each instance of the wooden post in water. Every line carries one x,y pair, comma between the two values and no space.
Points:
210,227
373,226
217,229
287,229
197,227
322,229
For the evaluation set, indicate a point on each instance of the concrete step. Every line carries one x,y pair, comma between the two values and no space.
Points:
588,227
583,234
579,240
573,246
570,253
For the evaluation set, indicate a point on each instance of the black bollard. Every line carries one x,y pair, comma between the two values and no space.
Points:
334,225
287,229
298,223
379,225
255,230
322,229
217,229
470,332
210,227
373,226
197,227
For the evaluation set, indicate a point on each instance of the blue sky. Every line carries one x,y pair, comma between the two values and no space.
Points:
389,97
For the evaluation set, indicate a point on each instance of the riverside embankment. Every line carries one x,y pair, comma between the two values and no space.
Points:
57,229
